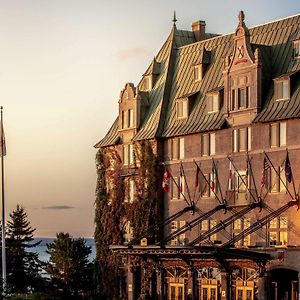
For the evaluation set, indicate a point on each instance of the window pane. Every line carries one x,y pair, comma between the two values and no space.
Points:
123,119
274,181
175,149
181,148
212,144
283,237
282,182
243,139
198,73
233,100
185,109
130,117
125,155
242,98
285,89
179,109
283,222
204,225
209,103
205,144
249,138
282,133
235,140
274,135
273,223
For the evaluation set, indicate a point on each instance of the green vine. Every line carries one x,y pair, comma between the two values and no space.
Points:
111,212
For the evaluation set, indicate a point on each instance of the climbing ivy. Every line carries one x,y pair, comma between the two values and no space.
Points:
111,211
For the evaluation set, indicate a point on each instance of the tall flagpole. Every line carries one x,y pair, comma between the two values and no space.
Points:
3,152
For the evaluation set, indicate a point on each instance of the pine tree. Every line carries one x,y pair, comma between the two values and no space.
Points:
68,265
23,266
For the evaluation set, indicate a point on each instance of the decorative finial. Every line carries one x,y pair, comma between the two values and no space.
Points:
174,18
241,17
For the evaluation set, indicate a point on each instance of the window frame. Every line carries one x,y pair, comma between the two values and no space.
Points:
182,108
281,93
198,73
213,103
278,134
208,144
239,145
296,49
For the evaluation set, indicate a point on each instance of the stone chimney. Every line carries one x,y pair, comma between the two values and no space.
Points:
198,28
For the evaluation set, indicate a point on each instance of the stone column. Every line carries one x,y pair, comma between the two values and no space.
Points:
160,287
263,286
225,285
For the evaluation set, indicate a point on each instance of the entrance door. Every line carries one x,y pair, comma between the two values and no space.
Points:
176,291
209,292
284,284
244,293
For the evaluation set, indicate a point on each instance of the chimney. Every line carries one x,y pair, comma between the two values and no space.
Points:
198,28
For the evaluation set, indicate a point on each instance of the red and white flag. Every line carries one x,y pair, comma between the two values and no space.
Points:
181,178
166,180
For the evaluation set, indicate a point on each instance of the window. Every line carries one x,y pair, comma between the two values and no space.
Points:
180,239
148,83
131,190
175,188
240,98
177,148
278,185
123,119
278,134
182,109
128,155
207,225
208,185
198,73
208,144
242,139
296,49
243,97
127,232
212,103
278,234
282,89
238,227
130,118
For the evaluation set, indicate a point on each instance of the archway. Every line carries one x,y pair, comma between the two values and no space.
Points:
284,284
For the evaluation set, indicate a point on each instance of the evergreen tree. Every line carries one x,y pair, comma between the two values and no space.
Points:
68,264
23,266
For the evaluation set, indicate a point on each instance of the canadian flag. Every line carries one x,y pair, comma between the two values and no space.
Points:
166,180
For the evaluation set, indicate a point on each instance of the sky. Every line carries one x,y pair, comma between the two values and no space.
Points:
63,64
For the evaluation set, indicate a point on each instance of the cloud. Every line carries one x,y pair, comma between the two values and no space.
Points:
58,207
130,52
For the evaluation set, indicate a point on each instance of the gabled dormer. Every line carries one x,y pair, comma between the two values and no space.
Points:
201,64
150,76
128,108
242,78
133,106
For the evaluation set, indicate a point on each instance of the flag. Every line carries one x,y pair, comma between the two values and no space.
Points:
265,169
230,177
2,138
212,179
166,180
181,180
197,176
288,169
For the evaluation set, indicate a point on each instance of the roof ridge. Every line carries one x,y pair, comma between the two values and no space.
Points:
250,28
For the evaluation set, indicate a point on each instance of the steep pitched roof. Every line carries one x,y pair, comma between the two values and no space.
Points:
178,56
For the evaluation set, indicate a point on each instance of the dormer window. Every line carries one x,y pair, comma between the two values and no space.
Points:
182,108
240,98
198,72
282,89
297,49
213,103
148,83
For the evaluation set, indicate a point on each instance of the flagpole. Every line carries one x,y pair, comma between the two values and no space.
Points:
3,209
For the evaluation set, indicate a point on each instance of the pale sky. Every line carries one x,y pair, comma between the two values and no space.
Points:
63,64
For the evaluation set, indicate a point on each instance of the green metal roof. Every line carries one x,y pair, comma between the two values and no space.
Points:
177,58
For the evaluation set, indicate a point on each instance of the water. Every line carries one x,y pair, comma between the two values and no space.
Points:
42,247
